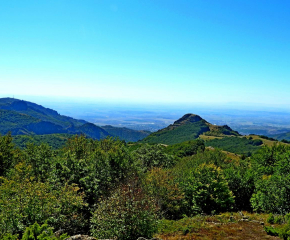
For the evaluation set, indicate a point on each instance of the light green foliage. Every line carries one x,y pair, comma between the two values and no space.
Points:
9,236
206,190
41,159
43,232
271,169
96,166
128,214
187,148
149,156
24,200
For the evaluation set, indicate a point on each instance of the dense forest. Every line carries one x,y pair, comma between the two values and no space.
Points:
111,189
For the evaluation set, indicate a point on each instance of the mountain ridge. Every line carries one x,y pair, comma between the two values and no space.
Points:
21,117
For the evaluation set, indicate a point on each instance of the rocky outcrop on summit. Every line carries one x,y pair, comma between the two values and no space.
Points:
188,118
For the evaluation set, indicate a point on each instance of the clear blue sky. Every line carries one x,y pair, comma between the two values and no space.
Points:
147,50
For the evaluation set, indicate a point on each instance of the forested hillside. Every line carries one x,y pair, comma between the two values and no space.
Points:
25,118
113,190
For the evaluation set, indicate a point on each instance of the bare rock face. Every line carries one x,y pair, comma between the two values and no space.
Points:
81,237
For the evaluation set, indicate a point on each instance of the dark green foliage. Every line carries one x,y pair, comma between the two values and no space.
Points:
126,134
282,231
206,191
203,182
285,141
268,138
187,128
240,180
149,156
271,231
47,181
15,122
93,131
128,214
41,159
96,166
24,200
8,154
26,118
38,112
241,183
55,141
187,148
221,131
271,170
236,145
179,134
271,218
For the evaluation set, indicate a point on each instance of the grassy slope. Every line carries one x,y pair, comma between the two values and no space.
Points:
236,144
224,226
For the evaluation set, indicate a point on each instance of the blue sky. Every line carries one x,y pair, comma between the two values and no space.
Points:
159,51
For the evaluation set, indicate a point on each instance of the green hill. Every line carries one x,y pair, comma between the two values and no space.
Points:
129,135
38,112
15,122
187,128
93,131
239,145
26,118
285,136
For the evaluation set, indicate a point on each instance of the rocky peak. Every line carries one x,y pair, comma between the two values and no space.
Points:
188,118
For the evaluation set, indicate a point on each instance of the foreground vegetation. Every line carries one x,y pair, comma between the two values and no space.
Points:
111,189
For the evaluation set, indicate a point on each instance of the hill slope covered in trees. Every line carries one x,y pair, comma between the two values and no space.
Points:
26,118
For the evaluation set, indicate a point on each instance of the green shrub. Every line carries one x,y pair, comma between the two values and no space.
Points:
128,214
271,231
43,232
9,236
24,201
206,190
161,184
270,219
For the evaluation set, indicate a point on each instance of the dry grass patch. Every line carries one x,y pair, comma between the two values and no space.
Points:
224,226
